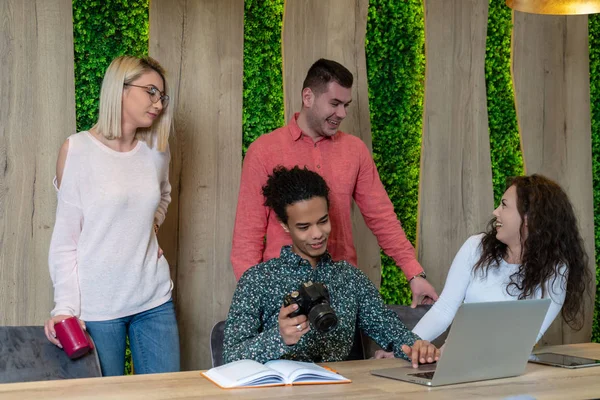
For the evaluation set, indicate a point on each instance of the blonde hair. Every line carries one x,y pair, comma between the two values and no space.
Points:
121,71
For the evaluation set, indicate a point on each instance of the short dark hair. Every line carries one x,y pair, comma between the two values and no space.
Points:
285,187
324,71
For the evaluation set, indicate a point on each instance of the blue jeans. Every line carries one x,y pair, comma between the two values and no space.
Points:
153,339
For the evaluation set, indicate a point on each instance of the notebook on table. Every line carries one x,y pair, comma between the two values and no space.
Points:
249,373
486,341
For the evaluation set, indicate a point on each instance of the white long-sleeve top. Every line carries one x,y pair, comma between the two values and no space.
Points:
103,255
463,285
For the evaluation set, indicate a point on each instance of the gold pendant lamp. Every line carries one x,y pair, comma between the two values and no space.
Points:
555,7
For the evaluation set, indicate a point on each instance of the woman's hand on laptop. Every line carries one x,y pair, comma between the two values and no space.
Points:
421,352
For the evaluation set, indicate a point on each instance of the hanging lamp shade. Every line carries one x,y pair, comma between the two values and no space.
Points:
555,7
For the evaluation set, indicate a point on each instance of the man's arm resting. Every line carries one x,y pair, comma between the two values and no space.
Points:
378,212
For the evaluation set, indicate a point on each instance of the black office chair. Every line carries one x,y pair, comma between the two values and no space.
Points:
410,317
217,335
26,355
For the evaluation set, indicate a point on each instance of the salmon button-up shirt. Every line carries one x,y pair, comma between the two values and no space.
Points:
344,161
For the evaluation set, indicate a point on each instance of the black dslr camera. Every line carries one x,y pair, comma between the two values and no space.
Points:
313,301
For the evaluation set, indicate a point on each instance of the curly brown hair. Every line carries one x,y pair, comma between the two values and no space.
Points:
552,241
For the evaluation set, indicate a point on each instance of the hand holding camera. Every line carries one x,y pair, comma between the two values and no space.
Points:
291,328
310,300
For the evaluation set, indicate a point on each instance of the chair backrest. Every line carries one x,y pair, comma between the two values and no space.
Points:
27,355
357,351
410,317
217,335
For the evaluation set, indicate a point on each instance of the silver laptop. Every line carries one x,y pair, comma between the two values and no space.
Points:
486,341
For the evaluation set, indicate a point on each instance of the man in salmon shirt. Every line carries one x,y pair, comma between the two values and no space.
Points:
312,139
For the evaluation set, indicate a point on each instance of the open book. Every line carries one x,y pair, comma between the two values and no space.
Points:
249,373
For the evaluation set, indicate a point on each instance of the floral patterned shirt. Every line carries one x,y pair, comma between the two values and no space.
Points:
252,329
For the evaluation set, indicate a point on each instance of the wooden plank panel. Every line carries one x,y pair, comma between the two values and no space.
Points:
333,29
166,30
552,91
208,125
37,97
455,195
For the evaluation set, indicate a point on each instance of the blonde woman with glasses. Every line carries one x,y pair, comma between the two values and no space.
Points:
106,265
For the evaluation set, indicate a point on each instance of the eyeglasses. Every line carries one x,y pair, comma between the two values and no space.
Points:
155,94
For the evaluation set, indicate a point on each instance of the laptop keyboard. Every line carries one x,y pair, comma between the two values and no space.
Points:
425,375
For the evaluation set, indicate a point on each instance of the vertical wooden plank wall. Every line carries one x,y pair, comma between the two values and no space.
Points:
166,30
333,29
201,45
455,197
204,40
552,90
37,99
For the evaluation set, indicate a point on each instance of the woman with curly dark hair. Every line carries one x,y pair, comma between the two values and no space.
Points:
531,250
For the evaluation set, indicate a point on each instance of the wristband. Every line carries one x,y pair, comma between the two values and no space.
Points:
421,274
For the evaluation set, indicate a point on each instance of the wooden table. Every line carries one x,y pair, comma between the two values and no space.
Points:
539,382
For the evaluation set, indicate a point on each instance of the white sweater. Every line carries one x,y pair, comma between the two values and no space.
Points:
104,253
462,285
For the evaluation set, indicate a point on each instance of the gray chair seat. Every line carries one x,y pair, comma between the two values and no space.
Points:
27,355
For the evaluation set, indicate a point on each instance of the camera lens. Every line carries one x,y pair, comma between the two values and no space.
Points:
322,317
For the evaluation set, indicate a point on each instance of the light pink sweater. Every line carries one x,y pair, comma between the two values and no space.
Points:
104,253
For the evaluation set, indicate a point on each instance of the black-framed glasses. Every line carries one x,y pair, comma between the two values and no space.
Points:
155,94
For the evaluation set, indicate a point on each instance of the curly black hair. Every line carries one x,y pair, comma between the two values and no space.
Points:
552,240
285,187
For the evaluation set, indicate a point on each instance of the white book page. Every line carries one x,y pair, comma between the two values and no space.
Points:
297,371
244,373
